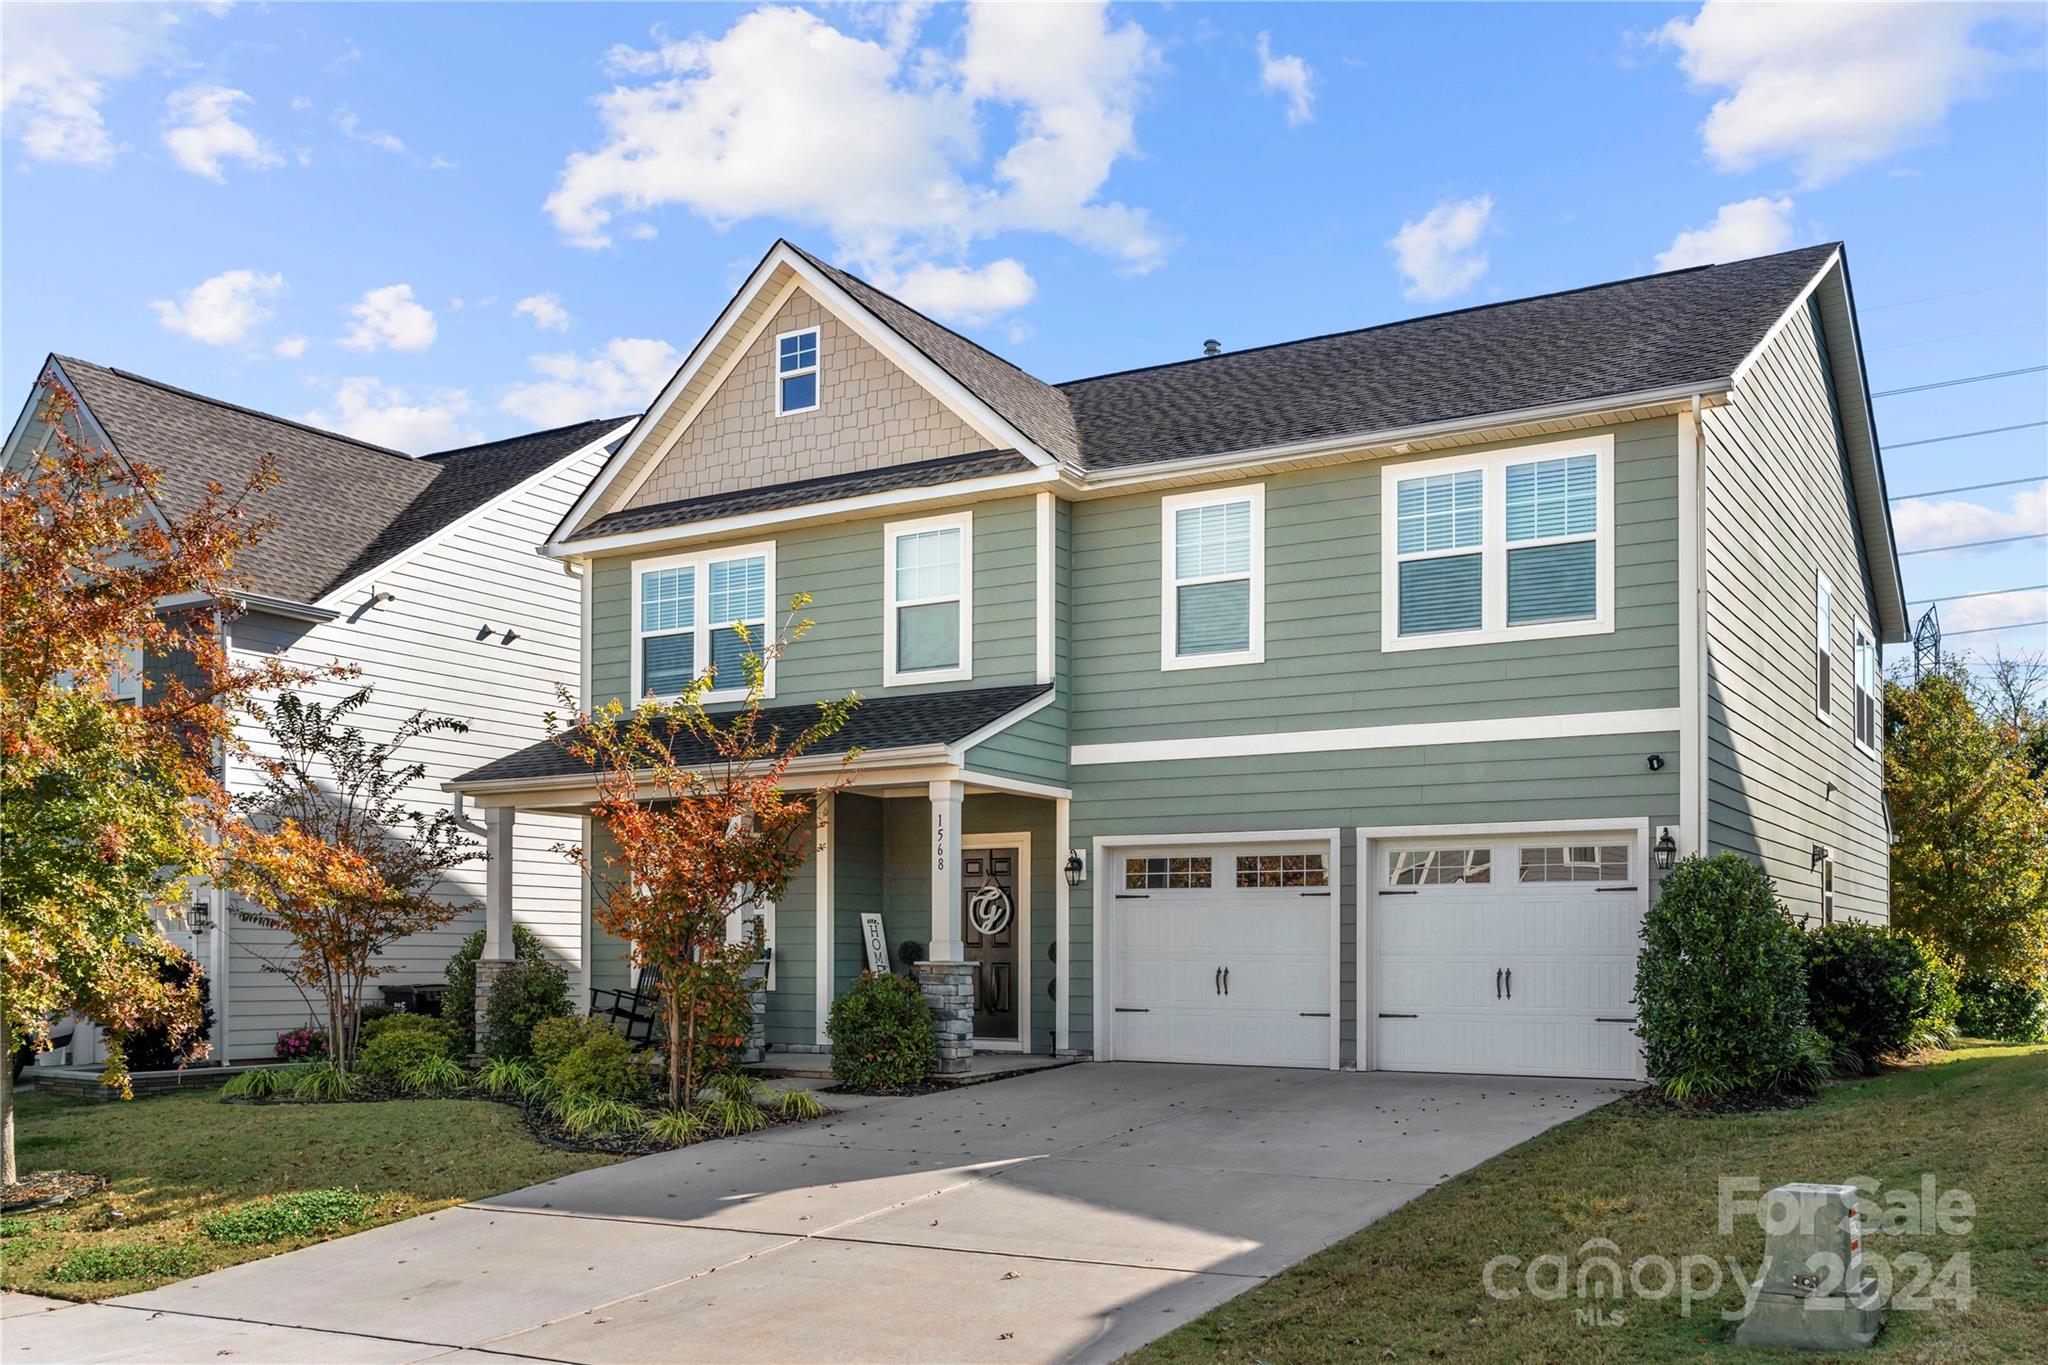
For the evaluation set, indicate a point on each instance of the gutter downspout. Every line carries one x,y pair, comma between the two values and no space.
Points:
1693,663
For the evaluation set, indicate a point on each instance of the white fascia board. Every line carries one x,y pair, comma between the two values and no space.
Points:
839,509
1748,362
337,595
957,752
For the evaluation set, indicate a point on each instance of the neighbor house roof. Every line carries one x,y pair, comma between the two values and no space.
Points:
341,506
876,725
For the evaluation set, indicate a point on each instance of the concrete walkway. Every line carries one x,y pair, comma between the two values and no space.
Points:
1069,1214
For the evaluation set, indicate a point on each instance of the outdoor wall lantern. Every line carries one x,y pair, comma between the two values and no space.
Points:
1666,849
1076,868
200,918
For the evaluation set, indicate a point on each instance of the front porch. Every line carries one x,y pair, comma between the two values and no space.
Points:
923,865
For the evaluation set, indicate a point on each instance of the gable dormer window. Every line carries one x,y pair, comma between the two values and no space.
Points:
796,372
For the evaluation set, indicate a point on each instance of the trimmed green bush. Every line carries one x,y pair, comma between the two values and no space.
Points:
525,993
287,1215
396,1050
882,1034
1877,992
403,1021
601,1067
2003,1011
554,1039
1721,984
458,1005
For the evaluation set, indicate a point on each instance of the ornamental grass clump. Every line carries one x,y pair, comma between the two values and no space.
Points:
505,1076
800,1104
587,1115
679,1127
259,1083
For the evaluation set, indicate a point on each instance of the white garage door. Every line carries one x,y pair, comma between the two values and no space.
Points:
1221,954
1511,956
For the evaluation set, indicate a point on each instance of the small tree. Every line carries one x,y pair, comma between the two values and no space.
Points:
335,856
106,804
1970,859
703,831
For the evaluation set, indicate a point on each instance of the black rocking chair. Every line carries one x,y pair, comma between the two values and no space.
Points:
635,1013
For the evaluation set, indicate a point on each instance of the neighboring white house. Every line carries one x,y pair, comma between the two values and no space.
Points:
422,572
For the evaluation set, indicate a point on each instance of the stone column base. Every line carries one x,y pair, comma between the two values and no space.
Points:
487,972
949,989
756,1050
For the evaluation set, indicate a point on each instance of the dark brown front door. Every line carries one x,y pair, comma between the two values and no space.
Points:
992,924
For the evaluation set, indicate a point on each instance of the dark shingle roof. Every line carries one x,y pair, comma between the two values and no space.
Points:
1684,327
341,507
922,474
878,723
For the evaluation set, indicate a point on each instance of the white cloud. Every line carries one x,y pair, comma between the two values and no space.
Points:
389,317
1995,612
620,378
546,311
1291,78
876,142
959,293
201,131
371,410
62,61
1438,254
290,348
1827,87
223,310
1919,522
1754,227
351,127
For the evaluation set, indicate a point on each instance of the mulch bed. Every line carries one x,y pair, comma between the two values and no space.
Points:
47,1189
1656,1101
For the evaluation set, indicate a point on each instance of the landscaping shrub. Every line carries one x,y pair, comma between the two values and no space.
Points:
554,1039
458,1005
1721,985
301,1044
882,1034
151,1049
287,1215
401,1021
525,993
396,1048
2004,1011
1876,992
601,1066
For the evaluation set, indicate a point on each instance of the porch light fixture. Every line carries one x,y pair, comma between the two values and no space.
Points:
1076,867
200,917
1666,849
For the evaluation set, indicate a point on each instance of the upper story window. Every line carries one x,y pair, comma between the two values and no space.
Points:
1213,588
688,611
1823,648
1515,544
1866,690
125,683
796,372
928,570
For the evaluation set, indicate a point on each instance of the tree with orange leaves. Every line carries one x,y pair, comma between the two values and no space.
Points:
704,830
108,802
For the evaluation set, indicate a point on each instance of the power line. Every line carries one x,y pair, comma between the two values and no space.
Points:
1959,435
1987,630
1969,488
1936,298
1975,544
1966,379
1988,592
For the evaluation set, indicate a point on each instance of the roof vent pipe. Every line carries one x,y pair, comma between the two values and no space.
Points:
1212,347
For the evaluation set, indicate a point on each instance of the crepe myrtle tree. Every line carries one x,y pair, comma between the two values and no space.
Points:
702,830
109,799
334,855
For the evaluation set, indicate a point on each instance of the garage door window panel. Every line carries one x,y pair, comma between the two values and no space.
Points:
1281,870
1167,874
1440,867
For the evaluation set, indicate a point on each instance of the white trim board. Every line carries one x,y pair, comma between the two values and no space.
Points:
1569,725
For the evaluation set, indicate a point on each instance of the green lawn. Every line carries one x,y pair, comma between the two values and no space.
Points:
173,1161
1410,1286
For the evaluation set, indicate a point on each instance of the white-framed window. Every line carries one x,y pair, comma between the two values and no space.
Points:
125,683
928,581
1212,603
1168,874
1827,890
1507,545
687,614
796,372
738,927
1545,863
1823,648
1867,692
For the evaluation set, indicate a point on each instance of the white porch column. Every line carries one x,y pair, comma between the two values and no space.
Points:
946,801
821,871
1062,923
497,954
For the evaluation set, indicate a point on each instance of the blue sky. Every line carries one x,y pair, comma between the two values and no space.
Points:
430,224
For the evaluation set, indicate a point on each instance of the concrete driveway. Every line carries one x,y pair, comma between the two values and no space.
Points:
1062,1215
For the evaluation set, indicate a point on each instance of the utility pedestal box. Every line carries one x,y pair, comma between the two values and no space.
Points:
1812,1291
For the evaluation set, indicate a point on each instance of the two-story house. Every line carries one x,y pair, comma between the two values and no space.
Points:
423,574
1326,704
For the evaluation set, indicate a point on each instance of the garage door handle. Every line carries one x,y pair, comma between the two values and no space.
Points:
1126,896
1496,983
1629,1020
1315,1014
1131,1009
1614,888
1226,980
1511,983
1216,987
1384,892
1324,894
1400,1016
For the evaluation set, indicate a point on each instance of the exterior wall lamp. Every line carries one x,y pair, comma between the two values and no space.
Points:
1076,868
1666,849
199,918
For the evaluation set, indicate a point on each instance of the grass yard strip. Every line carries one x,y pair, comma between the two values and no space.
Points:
194,1185
1410,1286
